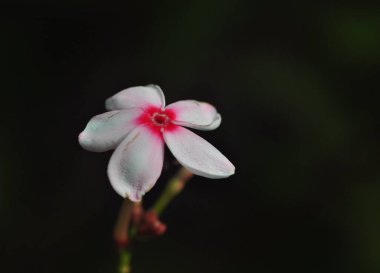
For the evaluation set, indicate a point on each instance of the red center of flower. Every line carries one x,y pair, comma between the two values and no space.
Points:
157,119
160,119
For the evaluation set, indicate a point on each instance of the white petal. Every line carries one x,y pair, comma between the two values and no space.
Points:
215,124
195,114
138,96
136,163
197,155
104,132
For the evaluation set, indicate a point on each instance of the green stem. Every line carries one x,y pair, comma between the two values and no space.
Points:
173,188
125,260
121,235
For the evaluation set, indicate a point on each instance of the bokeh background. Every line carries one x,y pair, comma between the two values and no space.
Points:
297,84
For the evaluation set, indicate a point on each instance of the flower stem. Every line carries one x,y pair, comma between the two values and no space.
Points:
173,188
125,260
121,236
120,233
125,230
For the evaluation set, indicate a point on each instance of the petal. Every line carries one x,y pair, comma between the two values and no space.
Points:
138,96
195,114
197,155
104,132
136,163
215,124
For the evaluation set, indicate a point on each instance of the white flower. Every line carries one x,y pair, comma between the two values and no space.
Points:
137,127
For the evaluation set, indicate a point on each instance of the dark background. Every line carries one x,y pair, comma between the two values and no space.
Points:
297,84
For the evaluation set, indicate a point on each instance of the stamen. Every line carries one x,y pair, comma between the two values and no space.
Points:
160,119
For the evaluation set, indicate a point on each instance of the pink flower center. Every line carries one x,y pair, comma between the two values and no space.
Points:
157,119
160,119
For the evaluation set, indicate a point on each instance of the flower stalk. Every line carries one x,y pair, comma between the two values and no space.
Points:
120,234
174,187
125,260
133,221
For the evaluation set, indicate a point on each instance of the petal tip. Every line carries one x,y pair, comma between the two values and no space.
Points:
217,122
155,86
134,197
86,143
82,140
109,103
232,171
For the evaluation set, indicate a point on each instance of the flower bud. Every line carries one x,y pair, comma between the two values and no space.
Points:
150,225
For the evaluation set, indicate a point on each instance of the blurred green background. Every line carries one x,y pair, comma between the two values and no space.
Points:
297,84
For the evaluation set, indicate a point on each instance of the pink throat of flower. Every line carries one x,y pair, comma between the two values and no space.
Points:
157,119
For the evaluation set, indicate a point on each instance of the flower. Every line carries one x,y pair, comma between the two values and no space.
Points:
137,127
